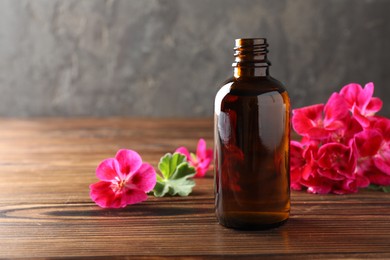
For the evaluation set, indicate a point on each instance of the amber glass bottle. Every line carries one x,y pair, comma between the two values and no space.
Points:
252,137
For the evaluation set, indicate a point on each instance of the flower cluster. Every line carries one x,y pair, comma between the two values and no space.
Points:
201,160
344,145
126,180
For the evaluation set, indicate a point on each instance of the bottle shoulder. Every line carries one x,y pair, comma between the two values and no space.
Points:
252,86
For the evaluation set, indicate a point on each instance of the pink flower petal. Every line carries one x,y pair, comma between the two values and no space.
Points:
103,195
348,186
331,174
363,121
362,181
106,171
202,167
352,127
383,164
382,124
378,177
133,196
129,161
368,142
145,178
335,109
317,133
209,156
295,177
350,93
307,172
364,96
200,172
184,151
333,125
296,186
201,149
374,106
306,118
296,157
318,185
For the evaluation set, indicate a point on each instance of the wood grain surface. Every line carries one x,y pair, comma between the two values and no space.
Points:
46,166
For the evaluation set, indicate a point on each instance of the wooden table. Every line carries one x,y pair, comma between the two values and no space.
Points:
46,166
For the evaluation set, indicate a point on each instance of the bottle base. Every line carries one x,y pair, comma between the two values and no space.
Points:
254,221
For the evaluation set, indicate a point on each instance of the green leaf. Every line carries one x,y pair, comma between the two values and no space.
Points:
176,176
168,164
378,187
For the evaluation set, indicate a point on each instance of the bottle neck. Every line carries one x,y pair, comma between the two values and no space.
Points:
241,72
251,58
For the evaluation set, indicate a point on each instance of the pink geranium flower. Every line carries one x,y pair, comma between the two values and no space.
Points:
360,101
124,180
201,160
336,161
345,134
317,121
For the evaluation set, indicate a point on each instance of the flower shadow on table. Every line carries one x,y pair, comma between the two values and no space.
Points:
140,210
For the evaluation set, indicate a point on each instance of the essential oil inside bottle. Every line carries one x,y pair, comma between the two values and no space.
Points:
252,135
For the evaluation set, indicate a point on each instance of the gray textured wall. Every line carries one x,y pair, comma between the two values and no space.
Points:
168,57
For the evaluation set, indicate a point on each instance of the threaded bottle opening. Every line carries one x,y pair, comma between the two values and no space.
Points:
251,52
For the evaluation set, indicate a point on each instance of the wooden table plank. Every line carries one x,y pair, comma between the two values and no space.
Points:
46,166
